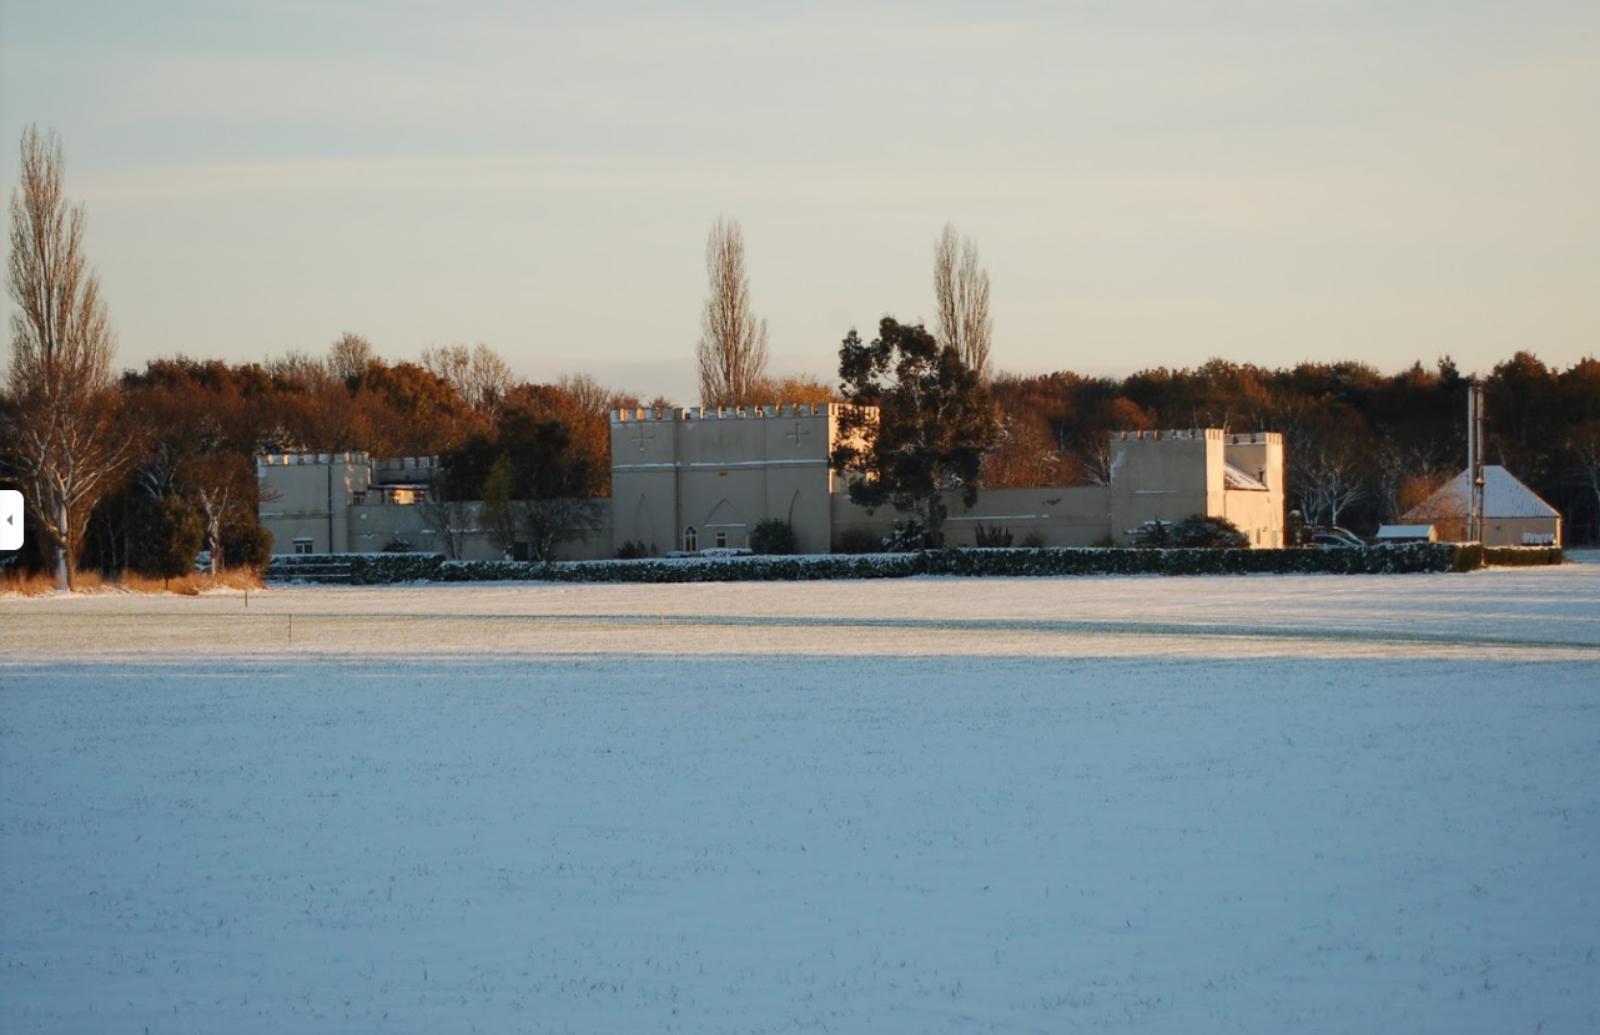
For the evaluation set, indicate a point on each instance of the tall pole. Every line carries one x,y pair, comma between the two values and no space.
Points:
1475,462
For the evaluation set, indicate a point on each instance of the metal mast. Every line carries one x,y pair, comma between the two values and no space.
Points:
1474,462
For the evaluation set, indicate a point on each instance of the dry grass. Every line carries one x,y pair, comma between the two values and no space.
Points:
34,585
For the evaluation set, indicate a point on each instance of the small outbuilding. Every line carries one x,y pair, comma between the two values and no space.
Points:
1407,534
1513,514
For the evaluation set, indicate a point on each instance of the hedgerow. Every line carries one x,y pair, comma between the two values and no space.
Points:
1400,559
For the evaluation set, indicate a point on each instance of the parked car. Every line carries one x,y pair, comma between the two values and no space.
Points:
1336,538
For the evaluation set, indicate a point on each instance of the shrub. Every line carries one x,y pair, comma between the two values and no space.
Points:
397,545
907,535
167,537
772,536
1153,534
1521,556
1217,533
1034,540
1466,557
857,540
991,537
247,547
632,551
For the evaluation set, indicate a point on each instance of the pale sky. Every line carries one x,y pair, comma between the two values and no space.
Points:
1148,183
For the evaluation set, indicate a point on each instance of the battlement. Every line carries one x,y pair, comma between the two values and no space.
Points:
309,459
1170,435
407,463
392,463
693,413
1257,438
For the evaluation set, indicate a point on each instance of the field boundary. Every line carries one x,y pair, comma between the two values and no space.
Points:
1400,559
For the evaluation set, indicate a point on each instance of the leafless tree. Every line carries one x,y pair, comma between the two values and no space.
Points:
221,481
295,367
591,396
349,356
452,520
961,292
1398,467
733,343
1329,481
477,374
1586,457
550,523
62,445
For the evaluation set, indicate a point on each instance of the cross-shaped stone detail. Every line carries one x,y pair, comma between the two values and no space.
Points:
796,434
640,436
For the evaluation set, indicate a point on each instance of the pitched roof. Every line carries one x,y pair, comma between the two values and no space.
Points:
1503,497
1237,478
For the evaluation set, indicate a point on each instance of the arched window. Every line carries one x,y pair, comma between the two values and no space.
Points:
691,542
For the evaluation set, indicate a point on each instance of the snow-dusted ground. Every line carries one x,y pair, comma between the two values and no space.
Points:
1139,804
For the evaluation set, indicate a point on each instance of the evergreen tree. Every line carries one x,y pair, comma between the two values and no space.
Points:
934,420
166,537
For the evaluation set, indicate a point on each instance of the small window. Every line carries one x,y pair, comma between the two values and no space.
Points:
303,546
691,542
722,540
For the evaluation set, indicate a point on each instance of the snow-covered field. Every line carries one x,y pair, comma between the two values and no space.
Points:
1139,804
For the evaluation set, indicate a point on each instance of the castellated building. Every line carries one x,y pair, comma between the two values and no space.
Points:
692,480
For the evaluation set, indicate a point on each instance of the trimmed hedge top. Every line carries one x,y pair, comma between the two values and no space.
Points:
1404,558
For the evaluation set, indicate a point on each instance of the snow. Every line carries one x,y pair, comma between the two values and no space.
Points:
1131,804
1235,477
1503,497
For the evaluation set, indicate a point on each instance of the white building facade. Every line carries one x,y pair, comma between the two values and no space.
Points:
687,480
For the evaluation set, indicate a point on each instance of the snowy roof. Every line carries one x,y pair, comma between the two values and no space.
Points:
1503,497
1236,478
1405,532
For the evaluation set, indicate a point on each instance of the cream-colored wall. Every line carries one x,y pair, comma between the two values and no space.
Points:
305,495
1163,475
721,471
851,519
1259,515
728,470
1059,515
1499,531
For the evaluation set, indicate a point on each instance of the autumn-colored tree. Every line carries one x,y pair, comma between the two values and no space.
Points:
793,390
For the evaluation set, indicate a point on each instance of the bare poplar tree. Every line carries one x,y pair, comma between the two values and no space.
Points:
733,343
349,355
478,374
961,292
61,442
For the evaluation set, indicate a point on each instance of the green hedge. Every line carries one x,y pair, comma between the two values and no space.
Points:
378,569
1520,556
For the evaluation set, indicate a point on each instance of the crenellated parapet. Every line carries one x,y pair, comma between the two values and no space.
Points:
1171,435
698,413
309,459
387,465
